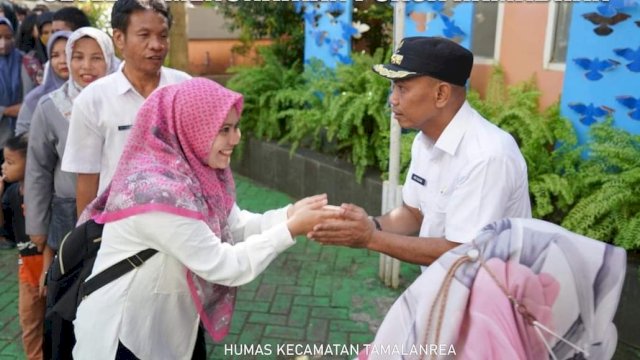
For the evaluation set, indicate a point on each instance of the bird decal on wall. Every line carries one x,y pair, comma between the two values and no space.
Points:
590,112
424,12
312,17
334,11
348,30
595,67
631,55
319,36
451,30
631,103
605,22
612,7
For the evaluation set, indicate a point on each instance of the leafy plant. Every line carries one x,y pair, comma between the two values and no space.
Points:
342,112
357,117
262,88
303,109
609,188
277,21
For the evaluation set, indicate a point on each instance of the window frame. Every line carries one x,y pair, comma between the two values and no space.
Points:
549,38
484,60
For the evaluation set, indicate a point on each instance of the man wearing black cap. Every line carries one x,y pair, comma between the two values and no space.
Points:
465,172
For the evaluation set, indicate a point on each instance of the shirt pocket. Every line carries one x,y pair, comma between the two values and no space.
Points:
433,205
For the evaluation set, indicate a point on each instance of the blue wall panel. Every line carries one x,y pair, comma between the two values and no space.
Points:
328,31
603,71
451,20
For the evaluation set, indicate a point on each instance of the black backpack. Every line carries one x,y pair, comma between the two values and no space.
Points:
66,285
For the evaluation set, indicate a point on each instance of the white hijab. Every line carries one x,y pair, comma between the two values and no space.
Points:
64,96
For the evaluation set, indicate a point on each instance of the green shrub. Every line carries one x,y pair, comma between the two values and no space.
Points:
342,113
609,188
262,87
255,20
357,117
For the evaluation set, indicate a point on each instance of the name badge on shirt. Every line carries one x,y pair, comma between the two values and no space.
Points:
124,127
418,179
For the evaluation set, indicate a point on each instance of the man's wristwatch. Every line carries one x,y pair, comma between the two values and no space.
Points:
376,223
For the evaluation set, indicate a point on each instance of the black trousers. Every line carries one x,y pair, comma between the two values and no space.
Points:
199,351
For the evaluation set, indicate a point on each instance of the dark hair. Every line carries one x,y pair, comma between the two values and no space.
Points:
123,9
24,38
43,19
40,8
73,16
18,143
21,9
7,9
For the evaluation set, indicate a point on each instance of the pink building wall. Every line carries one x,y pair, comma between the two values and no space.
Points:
521,52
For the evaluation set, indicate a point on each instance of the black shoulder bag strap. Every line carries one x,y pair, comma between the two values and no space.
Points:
115,271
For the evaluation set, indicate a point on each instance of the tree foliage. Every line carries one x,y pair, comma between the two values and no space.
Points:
98,13
379,17
277,21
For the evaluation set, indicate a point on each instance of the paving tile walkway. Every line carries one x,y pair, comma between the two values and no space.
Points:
310,295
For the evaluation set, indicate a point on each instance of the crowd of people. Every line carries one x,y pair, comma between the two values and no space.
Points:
45,57
145,150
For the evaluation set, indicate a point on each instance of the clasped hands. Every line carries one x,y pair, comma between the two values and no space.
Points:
346,225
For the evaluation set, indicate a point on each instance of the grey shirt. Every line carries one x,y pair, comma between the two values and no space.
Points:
44,179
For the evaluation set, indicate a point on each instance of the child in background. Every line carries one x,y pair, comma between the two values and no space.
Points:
31,303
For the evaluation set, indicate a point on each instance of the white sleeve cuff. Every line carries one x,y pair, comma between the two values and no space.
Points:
281,237
273,217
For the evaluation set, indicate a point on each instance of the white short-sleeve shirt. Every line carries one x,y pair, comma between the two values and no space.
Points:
472,175
101,119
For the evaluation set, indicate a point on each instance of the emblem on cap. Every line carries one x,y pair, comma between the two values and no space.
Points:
391,74
396,59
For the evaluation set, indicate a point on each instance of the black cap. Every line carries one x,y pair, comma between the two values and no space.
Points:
436,57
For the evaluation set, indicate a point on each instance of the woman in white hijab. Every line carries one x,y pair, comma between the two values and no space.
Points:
49,192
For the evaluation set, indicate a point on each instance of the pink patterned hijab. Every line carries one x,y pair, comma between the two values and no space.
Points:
164,168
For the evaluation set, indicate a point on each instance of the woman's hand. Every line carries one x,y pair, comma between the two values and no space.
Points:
319,200
308,212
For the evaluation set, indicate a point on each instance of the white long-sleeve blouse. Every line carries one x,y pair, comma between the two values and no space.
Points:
150,308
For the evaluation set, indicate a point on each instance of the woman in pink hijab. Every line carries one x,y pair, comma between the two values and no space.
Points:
173,191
